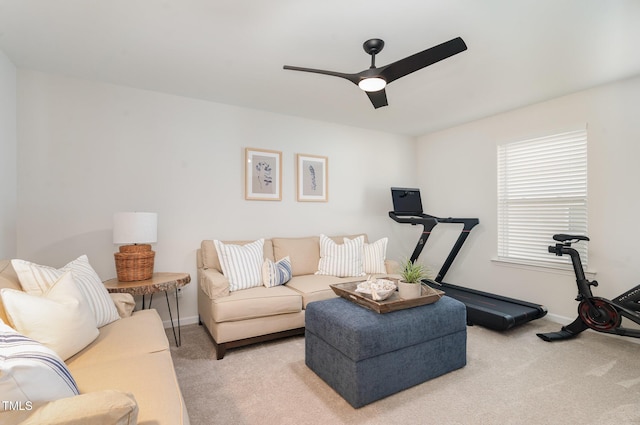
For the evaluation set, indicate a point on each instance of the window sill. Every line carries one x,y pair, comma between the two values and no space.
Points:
539,267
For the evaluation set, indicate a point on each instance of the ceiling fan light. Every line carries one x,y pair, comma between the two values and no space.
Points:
372,84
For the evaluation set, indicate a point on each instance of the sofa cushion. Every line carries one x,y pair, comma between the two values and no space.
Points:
256,302
303,252
210,255
140,333
35,279
149,377
241,264
278,273
341,260
59,318
31,372
316,287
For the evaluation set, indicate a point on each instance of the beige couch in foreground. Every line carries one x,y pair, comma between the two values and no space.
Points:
247,316
126,372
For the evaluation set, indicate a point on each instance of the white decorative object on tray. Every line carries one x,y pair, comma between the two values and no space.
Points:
379,289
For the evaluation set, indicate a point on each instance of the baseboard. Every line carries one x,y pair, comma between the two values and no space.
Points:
190,320
556,318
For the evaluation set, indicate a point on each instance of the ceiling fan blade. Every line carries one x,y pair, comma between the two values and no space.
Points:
378,98
354,78
413,63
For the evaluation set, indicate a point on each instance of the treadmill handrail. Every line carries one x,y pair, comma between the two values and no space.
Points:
469,223
429,222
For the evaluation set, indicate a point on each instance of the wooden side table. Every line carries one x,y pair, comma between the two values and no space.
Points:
159,282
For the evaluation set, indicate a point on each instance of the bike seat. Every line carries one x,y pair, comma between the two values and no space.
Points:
563,238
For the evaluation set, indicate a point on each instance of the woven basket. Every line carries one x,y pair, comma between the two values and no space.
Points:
145,247
134,262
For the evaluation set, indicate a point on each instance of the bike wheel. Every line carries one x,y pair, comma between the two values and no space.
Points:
603,318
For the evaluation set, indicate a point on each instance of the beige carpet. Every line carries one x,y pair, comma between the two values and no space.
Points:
511,377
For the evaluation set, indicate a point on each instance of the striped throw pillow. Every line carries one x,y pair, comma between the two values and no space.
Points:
36,280
31,372
341,260
278,273
241,264
373,256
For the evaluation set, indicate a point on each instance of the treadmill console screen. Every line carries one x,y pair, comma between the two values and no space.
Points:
406,201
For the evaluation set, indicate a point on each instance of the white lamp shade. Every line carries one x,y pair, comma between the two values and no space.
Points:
135,227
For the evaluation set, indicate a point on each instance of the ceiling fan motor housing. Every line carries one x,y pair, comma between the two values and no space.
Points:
373,46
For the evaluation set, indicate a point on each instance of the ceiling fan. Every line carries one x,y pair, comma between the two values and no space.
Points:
374,80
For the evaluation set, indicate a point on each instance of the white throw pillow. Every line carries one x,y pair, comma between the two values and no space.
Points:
31,372
36,279
373,256
278,273
341,260
59,319
241,264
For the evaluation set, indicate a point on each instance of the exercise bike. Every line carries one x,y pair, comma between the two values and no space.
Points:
597,313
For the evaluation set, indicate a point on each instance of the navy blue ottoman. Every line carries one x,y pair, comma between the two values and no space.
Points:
366,356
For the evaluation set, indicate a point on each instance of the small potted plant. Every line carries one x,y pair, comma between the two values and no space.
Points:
411,275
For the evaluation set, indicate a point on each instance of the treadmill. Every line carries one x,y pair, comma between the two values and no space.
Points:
483,308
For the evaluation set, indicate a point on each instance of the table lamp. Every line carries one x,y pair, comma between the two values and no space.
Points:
137,230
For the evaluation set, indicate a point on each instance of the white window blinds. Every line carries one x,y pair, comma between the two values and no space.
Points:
542,190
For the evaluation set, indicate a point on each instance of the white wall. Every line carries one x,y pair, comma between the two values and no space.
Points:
87,150
8,147
457,174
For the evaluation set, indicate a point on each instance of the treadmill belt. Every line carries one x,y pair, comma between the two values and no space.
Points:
493,311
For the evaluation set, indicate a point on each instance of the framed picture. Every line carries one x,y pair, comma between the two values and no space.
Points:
312,178
263,175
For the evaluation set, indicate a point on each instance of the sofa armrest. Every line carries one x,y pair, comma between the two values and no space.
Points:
108,407
124,304
213,283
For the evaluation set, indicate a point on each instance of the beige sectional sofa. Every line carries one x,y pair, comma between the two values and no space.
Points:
238,318
125,376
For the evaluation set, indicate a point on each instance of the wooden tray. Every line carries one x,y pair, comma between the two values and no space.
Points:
393,303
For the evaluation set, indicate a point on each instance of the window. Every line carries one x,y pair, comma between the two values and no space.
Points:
542,190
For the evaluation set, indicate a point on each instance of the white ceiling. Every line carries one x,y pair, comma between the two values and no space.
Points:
232,51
